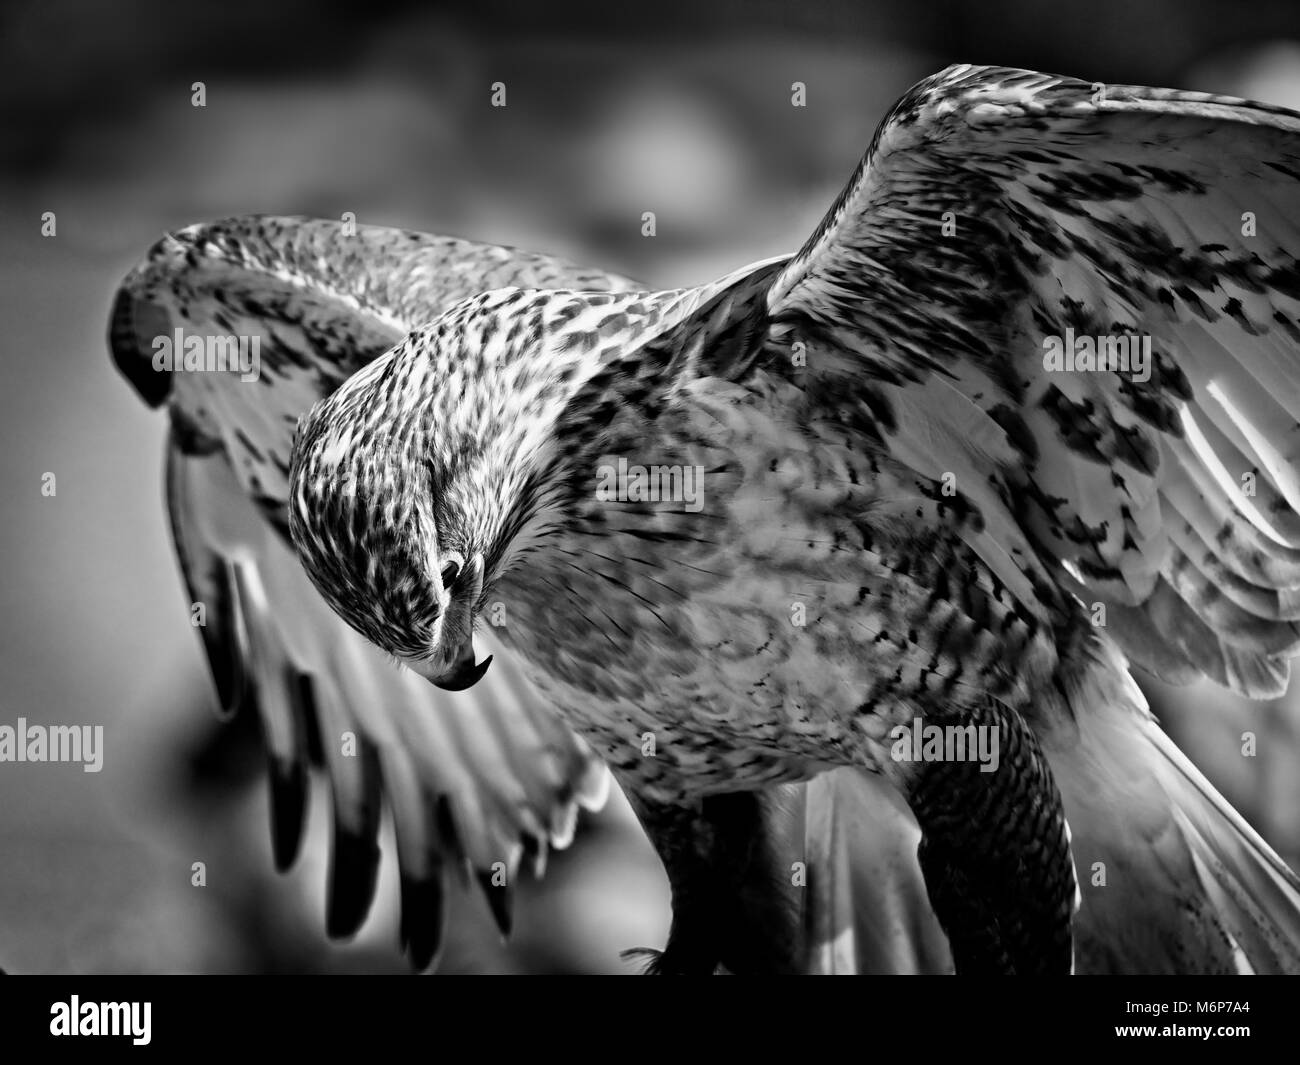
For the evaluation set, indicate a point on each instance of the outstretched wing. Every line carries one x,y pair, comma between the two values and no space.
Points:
472,779
1001,215
998,217
909,344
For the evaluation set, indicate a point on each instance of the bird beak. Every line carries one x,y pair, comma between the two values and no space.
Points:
464,673
458,630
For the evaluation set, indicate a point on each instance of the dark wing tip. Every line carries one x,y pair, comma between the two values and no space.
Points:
353,875
288,786
354,860
132,362
500,901
423,913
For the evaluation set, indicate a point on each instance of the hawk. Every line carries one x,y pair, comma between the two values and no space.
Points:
1022,413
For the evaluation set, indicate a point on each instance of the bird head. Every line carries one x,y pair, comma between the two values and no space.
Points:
375,547
393,502
434,469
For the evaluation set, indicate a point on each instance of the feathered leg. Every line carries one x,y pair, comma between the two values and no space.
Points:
995,852
730,908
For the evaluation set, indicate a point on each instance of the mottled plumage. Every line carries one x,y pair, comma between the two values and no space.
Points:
905,513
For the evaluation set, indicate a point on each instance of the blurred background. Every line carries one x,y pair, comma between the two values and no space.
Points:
681,107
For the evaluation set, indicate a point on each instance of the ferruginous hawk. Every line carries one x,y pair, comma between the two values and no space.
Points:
850,549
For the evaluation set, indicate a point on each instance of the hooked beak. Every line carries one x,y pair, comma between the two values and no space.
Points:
458,629
463,673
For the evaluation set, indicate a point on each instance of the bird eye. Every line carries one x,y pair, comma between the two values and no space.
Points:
449,573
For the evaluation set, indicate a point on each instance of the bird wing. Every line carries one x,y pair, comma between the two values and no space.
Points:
997,209
473,779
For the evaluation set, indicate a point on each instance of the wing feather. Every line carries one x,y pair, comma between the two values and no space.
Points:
472,779
1039,207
